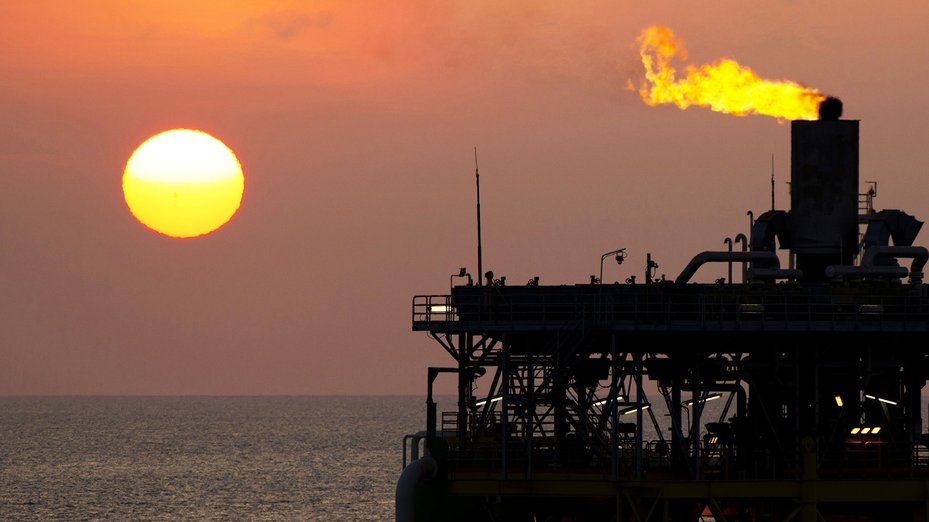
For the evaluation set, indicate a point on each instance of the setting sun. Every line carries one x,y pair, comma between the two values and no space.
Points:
183,183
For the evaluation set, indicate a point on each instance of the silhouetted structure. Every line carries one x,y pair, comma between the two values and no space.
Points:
819,367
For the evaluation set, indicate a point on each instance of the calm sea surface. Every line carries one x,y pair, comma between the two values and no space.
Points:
202,458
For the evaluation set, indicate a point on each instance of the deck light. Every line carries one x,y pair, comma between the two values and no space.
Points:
712,397
865,430
751,308
619,398
484,401
633,410
838,401
620,254
881,399
870,309
462,272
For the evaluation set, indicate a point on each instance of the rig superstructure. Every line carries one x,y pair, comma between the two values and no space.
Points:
818,367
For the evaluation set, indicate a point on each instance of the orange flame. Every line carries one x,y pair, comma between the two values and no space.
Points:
723,86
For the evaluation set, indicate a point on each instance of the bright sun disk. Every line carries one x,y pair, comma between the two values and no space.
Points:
183,183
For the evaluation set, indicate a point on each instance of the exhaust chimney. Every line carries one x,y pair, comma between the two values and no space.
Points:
830,109
824,191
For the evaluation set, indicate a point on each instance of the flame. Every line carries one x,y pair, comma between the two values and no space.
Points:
723,86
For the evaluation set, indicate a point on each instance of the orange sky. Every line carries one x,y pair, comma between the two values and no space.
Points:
355,122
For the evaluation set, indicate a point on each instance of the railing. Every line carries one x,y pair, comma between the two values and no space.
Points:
449,422
685,308
444,308
718,461
874,458
853,458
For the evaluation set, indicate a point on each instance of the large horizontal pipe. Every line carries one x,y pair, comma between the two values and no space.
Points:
919,255
768,259
765,274
896,272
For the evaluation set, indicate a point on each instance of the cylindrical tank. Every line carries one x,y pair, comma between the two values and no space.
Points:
824,194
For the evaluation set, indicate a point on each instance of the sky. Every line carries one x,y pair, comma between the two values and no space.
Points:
355,124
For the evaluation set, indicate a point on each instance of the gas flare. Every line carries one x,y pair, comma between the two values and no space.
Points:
723,86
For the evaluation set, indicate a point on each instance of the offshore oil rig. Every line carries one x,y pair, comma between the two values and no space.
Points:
588,402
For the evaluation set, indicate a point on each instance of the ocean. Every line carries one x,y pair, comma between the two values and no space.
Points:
203,458
210,458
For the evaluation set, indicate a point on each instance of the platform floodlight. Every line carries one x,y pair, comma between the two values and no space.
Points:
880,399
838,401
492,400
634,409
711,397
619,398
865,430
620,254
462,272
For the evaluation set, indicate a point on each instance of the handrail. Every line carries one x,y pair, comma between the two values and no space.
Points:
676,309
769,259
851,459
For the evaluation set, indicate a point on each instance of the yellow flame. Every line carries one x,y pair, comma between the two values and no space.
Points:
723,86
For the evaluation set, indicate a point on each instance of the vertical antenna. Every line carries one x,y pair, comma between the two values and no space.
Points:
477,178
772,182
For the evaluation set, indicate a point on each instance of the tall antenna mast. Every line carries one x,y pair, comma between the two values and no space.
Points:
772,182
480,260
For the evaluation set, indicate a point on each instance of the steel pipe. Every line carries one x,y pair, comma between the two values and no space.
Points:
769,259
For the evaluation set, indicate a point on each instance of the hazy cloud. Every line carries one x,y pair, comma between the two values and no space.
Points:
288,24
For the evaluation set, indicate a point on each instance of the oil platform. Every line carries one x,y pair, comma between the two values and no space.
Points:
593,396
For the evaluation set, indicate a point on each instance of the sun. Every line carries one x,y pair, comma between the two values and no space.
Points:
183,183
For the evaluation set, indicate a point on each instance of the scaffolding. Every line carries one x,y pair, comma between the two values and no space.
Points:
558,389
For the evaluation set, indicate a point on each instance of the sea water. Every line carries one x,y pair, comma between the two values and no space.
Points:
210,458
203,458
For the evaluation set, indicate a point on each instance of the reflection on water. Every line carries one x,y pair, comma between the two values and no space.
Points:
219,458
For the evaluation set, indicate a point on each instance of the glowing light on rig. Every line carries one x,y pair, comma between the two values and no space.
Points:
633,410
484,401
711,397
865,430
723,85
885,401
